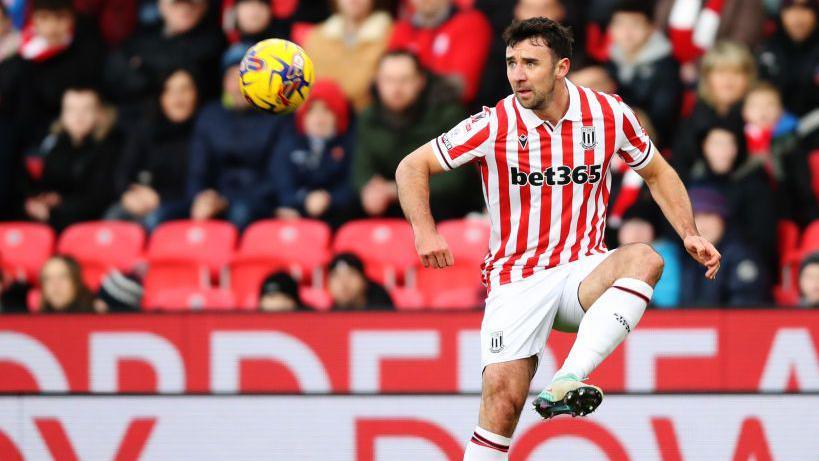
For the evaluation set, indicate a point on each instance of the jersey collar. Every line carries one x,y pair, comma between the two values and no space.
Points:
532,121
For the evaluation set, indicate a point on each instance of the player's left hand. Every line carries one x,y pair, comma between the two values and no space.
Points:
704,253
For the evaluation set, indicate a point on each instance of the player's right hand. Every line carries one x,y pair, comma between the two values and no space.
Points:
433,251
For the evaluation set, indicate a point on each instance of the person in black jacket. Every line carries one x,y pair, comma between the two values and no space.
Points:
640,60
724,166
79,160
156,157
790,59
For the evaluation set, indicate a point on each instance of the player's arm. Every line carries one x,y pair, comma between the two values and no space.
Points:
668,191
412,178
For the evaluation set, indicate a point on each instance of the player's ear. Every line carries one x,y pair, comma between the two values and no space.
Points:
562,68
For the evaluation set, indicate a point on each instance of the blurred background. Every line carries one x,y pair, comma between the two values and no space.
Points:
167,251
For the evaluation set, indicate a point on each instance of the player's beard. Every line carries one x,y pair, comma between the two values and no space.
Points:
540,99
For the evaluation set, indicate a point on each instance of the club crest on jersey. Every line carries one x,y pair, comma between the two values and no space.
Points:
523,140
588,137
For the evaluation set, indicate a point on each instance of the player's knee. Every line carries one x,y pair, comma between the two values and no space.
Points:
647,263
502,399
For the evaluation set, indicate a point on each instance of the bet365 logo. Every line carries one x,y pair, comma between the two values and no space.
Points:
558,176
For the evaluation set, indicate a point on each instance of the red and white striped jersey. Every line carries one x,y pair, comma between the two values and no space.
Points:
546,187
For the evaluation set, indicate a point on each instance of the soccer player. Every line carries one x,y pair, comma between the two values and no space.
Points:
544,154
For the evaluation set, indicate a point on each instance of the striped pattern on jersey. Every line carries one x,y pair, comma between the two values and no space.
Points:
557,214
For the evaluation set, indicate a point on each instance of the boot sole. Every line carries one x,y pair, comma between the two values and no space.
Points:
577,402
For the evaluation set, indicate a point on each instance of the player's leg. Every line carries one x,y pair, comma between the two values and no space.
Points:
614,296
504,392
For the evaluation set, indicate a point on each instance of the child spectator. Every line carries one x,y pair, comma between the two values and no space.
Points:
449,42
790,59
253,21
774,146
279,293
742,281
79,160
312,159
351,290
62,288
346,47
809,281
156,156
641,62
230,171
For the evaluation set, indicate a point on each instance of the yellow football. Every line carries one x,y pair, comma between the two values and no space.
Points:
276,76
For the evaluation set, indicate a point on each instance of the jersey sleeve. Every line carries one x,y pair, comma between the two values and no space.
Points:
635,147
467,141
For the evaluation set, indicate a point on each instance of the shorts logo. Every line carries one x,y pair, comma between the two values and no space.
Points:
622,322
496,342
447,143
588,138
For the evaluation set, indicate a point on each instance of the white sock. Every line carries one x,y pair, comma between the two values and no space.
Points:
605,325
487,446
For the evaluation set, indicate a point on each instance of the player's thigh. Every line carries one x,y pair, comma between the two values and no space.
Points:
570,311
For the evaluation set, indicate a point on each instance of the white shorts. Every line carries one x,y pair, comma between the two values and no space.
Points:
519,315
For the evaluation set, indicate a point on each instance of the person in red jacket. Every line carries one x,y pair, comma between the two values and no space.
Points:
448,41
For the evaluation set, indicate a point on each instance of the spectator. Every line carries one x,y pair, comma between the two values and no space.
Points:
350,289
641,62
639,225
134,73
449,42
346,47
156,156
750,199
116,19
774,146
279,293
741,281
9,36
59,50
312,159
10,161
254,21
790,59
119,293
62,287
80,156
727,72
410,108
595,77
809,281
231,154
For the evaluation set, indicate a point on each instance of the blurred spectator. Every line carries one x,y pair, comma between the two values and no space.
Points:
59,50
312,159
9,36
62,288
156,157
279,293
741,281
10,160
790,59
231,155
727,72
692,32
595,77
773,145
80,156
639,225
641,62
809,281
449,42
119,293
410,108
116,19
134,73
13,294
253,21
350,288
16,11
346,47
724,166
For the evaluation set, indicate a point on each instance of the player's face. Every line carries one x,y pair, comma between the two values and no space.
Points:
533,72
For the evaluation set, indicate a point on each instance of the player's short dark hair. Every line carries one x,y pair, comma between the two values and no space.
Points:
635,6
52,5
401,53
558,37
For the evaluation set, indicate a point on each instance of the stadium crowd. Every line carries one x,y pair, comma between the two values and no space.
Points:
130,110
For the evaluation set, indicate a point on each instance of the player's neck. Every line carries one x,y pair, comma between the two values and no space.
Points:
556,108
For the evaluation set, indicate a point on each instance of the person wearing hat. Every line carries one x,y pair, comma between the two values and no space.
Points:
350,288
312,158
279,293
790,58
743,280
230,165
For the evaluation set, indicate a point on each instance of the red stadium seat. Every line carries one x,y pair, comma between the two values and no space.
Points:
176,299
100,246
810,239
407,299
303,245
24,247
168,275
385,245
204,243
458,299
33,298
316,298
813,164
467,238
